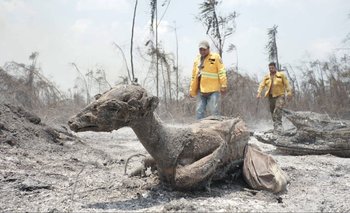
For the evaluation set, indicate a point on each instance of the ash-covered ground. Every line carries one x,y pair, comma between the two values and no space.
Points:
50,169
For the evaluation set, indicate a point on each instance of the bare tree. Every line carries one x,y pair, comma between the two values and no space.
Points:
231,48
30,88
30,80
154,28
218,27
97,77
124,58
154,15
167,65
176,68
132,42
85,82
272,45
325,86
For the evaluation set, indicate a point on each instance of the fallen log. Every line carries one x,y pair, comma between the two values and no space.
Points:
313,133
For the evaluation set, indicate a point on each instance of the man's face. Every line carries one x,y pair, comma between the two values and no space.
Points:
272,69
203,51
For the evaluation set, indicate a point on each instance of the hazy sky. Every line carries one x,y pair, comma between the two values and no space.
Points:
82,31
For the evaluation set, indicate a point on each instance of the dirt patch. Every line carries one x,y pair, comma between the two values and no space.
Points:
49,169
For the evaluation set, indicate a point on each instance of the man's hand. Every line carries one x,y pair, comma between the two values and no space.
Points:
223,90
258,96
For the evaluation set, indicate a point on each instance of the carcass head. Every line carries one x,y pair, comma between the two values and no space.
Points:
114,109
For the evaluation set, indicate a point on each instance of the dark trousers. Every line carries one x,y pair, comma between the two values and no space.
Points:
276,105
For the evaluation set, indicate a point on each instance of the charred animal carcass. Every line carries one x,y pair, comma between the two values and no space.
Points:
186,157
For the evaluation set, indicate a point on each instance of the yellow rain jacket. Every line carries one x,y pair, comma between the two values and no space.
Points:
280,85
212,75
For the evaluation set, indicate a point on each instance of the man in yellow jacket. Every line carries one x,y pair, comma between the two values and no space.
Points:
277,86
208,80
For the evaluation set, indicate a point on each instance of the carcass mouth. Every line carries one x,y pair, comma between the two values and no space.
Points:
87,128
84,129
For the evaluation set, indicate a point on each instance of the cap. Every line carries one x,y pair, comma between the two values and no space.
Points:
204,45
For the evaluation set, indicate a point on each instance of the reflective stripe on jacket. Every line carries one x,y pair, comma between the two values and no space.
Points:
280,85
212,77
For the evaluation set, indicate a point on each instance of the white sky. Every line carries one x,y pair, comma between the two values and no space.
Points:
82,31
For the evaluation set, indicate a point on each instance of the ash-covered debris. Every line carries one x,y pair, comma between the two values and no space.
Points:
313,133
19,127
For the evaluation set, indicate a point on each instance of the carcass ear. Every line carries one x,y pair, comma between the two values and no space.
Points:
134,103
97,96
111,104
152,103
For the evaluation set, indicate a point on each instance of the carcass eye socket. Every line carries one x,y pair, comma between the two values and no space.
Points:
94,107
